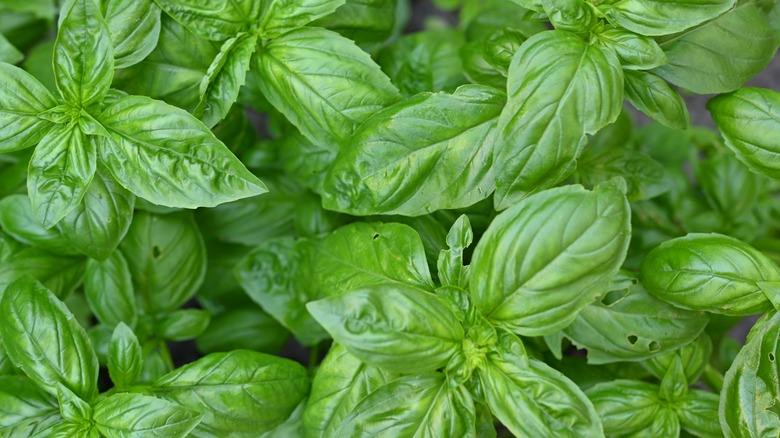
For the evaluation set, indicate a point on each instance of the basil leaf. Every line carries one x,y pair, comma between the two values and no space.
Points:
237,392
551,106
367,22
164,155
83,54
277,275
167,259
735,195
625,406
418,156
134,26
245,328
450,263
42,337
698,412
702,60
282,16
575,16
367,254
709,272
543,260
9,53
131,415
656,99
398,328
61,170
61,275
636,326
24,407
97,224
661,17
305,73
751,388
422,405
219,88
71,406
536,401
183,324
674,386
748,120
341,382
645,177
20,105
16,218
636,52
124,357
68,429
695,358
108,288
216,20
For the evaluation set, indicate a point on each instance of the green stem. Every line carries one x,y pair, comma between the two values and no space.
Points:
166,355
314,355
713,378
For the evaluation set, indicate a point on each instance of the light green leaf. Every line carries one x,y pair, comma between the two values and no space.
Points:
134,26
16,218
72,407
710,272
543,260
219,88
422,405
656,99
450,263
625,406
695,358
576,16
367,22
21,100
241,392
216,20
137,416
61,170
636,52
698,414
125,358
429,152
108,288
341,382
749,120
663,17
703,60
323,83
42,337
559,88
83,54
282,16
398,328
24,407
166,156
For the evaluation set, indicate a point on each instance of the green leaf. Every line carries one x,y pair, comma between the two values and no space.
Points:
625,406
166,156
282,16
61,275
645,177
674,386
663,17
656,99
305,74
634,327
709,272
61,170
167,259
277,275
695,357
108,288
636,52
83,54
751,390
16,218
101,220
21,100
698,413
72,407
665,423
749,120
245,328
422,405
577,16
728,185
543,260
183,324
419,156
537,400
703,60
227,73
341,382
501,46
9,53
371,254
241,392
24,407
135,416
42,337
125,358
398,328
134,26
215,20
559,88
450,263
367,22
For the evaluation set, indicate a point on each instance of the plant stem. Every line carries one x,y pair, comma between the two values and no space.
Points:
713,378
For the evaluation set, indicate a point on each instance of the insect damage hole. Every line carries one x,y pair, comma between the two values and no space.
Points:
771,357
632,339
156,252
376,236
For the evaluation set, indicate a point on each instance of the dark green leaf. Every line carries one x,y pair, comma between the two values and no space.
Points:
282,16
216,20
61,275
136,415
698,414
245,328
645,177
625,406
662,17
367,22
695,358
576,16
21,100
656,99
183,324
108,288
728,185
42,338
16,218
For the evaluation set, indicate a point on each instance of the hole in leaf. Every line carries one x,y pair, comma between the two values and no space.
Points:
653,346
376,236
156,252
613,297
771,357
632,339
